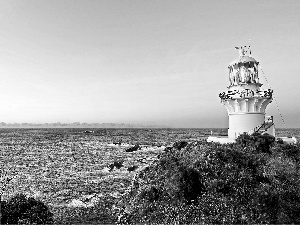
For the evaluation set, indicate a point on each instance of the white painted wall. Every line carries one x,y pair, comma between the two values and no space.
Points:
243,122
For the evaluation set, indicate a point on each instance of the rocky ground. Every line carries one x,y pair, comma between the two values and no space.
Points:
72,169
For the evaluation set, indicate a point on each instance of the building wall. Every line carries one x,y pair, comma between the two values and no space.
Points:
243,122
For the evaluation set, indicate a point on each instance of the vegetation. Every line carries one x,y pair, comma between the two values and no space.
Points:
253,181
22,210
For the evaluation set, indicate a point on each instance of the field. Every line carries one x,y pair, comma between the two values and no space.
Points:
70,171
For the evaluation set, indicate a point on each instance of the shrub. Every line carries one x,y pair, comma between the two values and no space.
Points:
291,151
151,194
235,184
264,142
279,141
180,144
245,140
190,184
261,143
20,209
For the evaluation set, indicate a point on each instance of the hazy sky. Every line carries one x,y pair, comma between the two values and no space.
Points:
142,61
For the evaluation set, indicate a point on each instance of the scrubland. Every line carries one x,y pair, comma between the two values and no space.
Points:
190,181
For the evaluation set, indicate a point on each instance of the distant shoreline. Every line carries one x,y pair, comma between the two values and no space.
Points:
74,125
116,126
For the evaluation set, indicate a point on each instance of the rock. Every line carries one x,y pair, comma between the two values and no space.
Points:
133,149
111,167
90,200
117,164
76,203
106,170
168,149
132,168
88,131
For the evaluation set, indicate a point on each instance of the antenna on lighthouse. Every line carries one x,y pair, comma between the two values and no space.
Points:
249,47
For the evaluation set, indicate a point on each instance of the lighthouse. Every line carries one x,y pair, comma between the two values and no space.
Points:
245,100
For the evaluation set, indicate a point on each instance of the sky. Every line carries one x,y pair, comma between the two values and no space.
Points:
144,62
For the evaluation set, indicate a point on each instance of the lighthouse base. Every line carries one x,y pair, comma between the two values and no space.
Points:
221,140
227,140
240,123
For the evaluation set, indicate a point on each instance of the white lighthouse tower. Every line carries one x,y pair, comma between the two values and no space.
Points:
245,100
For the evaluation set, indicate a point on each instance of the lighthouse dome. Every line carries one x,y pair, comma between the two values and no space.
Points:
243,59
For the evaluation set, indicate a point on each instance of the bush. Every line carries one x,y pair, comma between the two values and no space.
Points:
261,143
180,144
151,194
280,141
190,184
212,183
22,210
